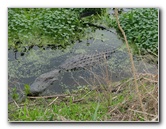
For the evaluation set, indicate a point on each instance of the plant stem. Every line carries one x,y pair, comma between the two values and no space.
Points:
132,63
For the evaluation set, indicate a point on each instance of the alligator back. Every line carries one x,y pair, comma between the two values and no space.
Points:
84,61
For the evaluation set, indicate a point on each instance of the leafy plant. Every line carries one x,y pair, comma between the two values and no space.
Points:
45,26
141,27
58,26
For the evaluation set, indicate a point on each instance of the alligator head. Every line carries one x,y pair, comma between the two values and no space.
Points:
43,82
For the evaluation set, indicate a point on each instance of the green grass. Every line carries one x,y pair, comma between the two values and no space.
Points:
85,104
91,107
62,109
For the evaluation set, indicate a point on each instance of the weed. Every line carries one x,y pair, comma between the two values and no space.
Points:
15,94
27,89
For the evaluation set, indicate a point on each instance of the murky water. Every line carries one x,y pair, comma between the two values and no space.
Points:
25,69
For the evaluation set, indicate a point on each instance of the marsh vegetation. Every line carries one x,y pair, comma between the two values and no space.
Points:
123,88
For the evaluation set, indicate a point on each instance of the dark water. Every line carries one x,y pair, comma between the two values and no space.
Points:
24,69
124,10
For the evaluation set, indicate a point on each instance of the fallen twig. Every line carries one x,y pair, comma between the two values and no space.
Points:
47,97
53,101
150,80
78,100
143,112
155,119
16,104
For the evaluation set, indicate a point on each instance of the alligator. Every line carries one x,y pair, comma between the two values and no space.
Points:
83,61
77,62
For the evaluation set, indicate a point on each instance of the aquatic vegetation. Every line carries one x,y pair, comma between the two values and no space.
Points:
59,27
141,28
